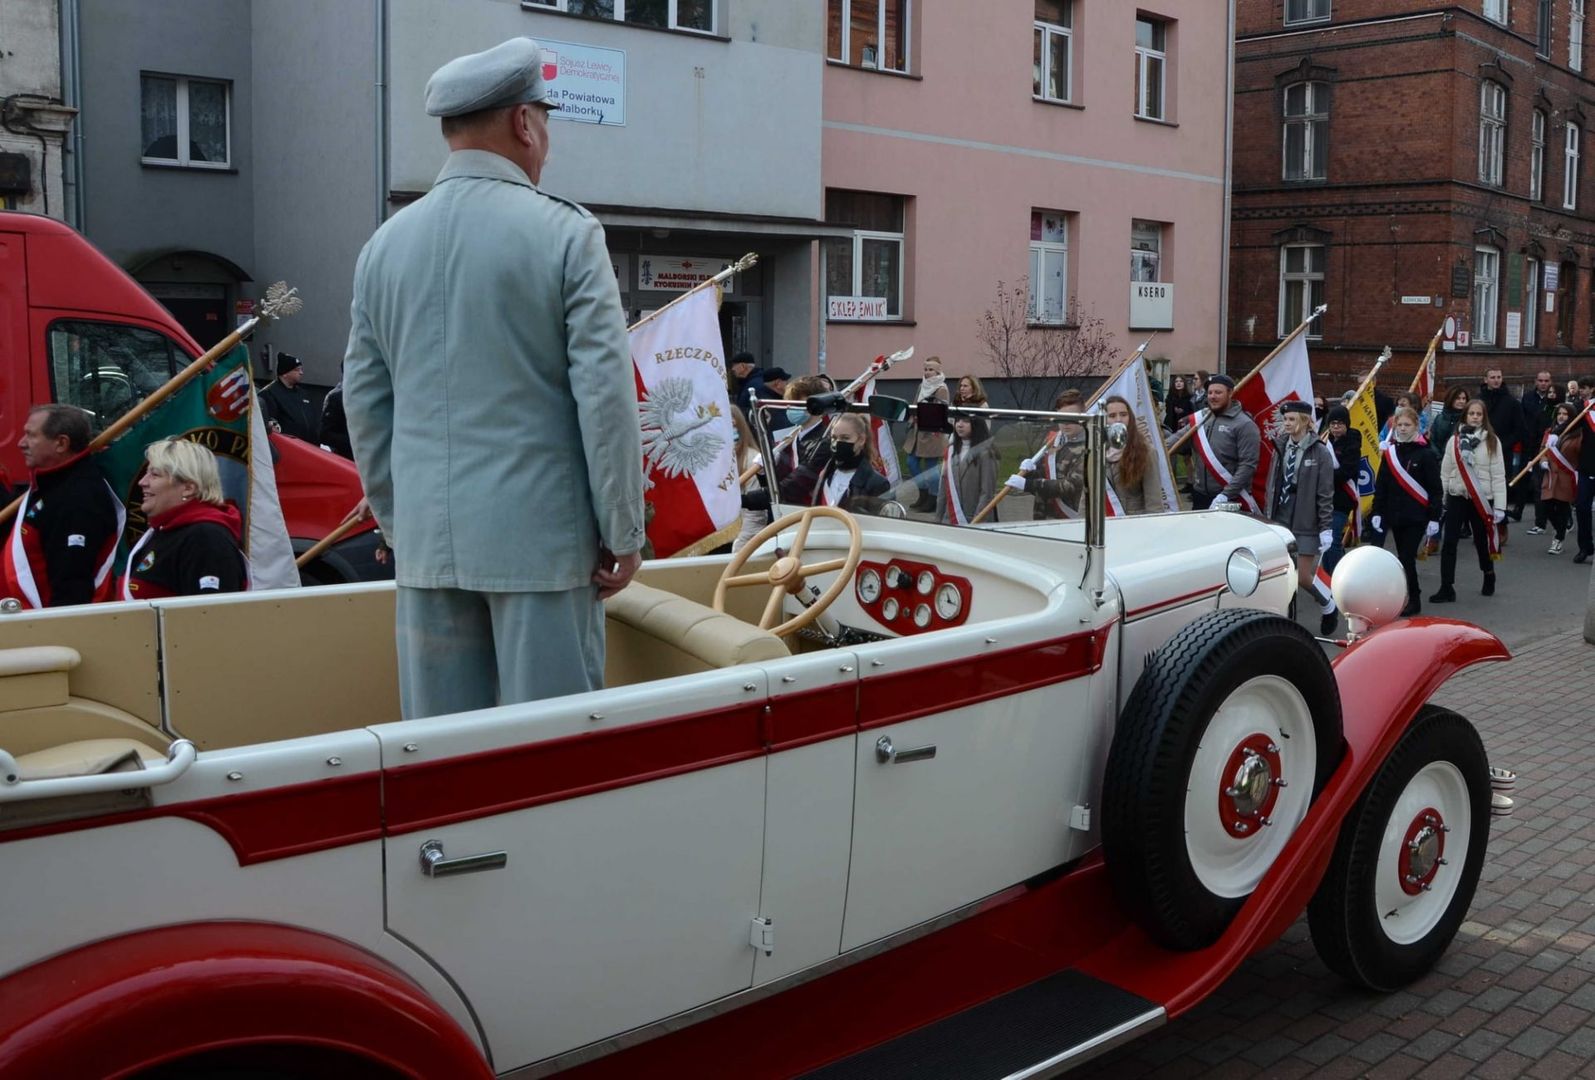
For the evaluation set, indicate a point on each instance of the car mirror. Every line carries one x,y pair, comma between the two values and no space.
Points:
931,415
821,404
889,409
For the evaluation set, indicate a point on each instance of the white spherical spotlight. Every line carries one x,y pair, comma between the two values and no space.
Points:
1370,587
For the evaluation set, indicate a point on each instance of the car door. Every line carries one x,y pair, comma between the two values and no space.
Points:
582,866
973,751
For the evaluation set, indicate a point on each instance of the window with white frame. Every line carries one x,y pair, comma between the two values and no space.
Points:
1492,131
1495,9
1531,302
868,33
185,121
1054,32
1575,36
1146,250
1486,293
1537,156
1570,168
1306,136
1151,68
1542,29
670,14
1301,11
1301,286
1049,266
870,262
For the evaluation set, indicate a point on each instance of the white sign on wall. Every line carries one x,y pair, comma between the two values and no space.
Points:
671,274
587,82
1151,305
1514,329
856,308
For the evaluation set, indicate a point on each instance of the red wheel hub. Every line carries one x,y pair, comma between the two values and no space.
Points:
1251,781
1422,851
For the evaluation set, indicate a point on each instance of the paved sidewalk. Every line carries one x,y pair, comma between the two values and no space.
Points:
1515,994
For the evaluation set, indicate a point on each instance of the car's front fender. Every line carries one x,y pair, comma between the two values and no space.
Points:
130,1003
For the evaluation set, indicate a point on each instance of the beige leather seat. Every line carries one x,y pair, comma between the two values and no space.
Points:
90,757
662,634
38,710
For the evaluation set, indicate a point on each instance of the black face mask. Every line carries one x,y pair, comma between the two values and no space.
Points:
846,455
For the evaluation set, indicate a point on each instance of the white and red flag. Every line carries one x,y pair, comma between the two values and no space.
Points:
1286,376
687,438
1423,381
1133,386
883,451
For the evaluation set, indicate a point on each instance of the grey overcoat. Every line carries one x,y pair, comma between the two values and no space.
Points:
489,388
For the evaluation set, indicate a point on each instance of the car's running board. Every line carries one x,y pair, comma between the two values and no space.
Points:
1038,1030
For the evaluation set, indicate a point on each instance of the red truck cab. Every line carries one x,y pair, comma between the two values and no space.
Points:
57,293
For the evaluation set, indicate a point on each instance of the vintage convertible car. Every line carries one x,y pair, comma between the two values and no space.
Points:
1015,793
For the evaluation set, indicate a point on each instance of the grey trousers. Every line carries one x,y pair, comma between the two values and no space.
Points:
461,650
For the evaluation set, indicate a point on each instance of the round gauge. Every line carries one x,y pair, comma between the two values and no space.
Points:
922,616
889,609
869,586
896,577
949,601
926,582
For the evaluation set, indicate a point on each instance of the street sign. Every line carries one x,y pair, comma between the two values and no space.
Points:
1417,301
856,308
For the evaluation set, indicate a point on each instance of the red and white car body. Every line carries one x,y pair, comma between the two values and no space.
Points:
751,868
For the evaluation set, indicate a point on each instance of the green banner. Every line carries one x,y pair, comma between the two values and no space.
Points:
213,409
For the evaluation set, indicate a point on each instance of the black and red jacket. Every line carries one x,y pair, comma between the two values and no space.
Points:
63,541
189,550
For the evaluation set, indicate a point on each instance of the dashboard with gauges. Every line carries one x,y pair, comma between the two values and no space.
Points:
910,597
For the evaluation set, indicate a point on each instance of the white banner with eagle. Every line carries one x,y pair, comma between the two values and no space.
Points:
687,437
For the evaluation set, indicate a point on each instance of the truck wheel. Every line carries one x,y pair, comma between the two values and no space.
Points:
1228,736
1408,858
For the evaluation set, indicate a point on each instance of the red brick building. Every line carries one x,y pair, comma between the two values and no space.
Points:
1404,162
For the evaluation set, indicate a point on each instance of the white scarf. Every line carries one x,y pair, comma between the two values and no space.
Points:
929,385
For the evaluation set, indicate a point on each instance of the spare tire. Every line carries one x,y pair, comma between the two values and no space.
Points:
1230,733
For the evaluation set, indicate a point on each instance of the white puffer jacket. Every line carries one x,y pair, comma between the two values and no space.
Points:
1489,470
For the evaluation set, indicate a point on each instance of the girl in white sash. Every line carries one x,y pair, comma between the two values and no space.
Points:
969,472
1406,497
1133,486
1473,474
1559,473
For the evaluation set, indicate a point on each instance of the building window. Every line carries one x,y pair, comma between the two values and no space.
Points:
1301,286
1146,250
1053,56
1537,156
1301,11
1306,131
1492,131
870,263
1049,266
1495,9
1575,36
1486,292
1531,302
675,14
869,33
1542,33
184,121
1151,67
1570,169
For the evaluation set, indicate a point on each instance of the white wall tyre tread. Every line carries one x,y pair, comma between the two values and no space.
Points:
1230,733
1408,859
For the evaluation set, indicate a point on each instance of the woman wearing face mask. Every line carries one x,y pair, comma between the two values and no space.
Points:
925,448
1473,475
811,450
1450,416
848,480
1407,497
1345,442
1055,474
191,547
1559,473
1132,479
969,473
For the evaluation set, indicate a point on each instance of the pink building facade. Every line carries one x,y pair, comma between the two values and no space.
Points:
1071,144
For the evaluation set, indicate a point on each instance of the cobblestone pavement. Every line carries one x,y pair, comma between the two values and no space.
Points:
1513,996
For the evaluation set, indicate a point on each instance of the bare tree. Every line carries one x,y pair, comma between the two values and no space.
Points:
1037,360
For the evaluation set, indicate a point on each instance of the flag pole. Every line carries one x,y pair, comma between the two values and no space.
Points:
745,263
1546,450
1372,375
280,302
1301,329
1428,358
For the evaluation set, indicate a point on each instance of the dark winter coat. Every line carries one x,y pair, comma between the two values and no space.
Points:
1348,457
1391,502
1506,416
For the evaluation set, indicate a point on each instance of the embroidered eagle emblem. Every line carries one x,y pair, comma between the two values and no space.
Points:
674,436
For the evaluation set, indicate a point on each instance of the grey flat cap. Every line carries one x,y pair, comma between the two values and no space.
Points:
507,74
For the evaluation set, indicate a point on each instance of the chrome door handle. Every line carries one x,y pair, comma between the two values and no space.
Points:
433,864
887,754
